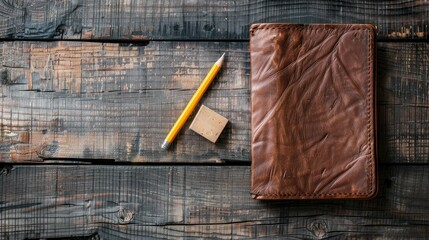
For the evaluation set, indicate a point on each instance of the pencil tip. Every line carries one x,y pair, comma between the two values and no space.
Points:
220,61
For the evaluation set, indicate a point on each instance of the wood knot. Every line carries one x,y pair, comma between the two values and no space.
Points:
48,150
318,228
5,169
61,30
125,215
5,78
94,236
209,27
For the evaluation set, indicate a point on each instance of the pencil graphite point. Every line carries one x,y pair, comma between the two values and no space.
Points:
219,62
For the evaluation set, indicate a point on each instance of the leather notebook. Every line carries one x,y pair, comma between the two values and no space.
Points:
313,111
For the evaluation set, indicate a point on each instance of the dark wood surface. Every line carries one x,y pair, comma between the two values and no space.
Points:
202,19
115,101
108,95
122,202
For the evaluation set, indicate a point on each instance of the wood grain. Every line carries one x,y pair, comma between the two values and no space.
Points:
204,19
403,102
115,101
129,202
95,100
109,101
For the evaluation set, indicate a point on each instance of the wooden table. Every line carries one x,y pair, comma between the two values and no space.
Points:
89,89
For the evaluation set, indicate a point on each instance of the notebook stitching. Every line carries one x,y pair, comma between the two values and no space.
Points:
369,107
258,27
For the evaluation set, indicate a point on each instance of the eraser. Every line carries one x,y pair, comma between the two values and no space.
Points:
208,123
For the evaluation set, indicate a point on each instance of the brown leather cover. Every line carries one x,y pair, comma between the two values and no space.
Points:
313,111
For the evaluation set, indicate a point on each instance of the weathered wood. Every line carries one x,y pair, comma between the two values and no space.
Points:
129,202
403,102
95,101
108,101
204,19
113,101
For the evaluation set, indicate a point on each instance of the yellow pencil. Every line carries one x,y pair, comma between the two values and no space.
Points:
192,103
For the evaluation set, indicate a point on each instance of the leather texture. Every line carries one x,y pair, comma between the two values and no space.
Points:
313,111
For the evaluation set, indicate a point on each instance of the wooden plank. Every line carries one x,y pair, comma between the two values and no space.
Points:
129,202
108,101
113,101
403,102
204,19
